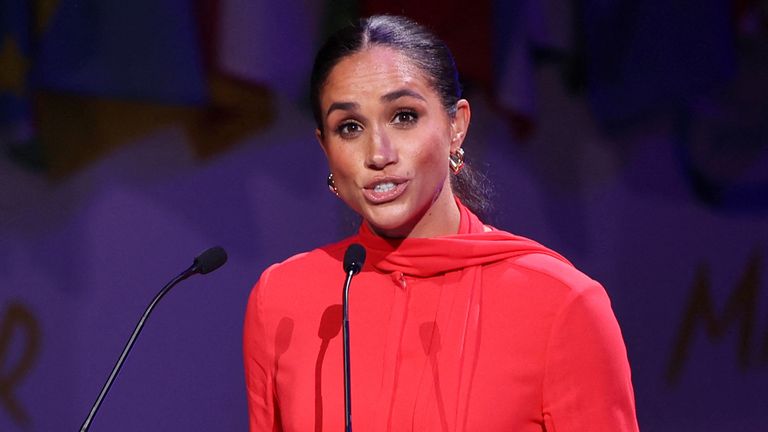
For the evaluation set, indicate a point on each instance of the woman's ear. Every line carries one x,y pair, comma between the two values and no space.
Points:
319,136
460,124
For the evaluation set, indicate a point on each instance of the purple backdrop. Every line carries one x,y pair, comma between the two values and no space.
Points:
667,209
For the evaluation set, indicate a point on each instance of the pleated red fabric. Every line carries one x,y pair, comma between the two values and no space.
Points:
474,245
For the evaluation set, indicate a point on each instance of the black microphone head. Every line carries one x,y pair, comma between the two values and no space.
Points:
354,258
210,260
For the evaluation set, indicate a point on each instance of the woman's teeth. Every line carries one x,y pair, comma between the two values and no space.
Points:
384,187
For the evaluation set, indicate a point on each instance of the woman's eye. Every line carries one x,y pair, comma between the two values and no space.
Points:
349,129
405,118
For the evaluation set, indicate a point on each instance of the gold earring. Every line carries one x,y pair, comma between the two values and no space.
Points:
332,185
456,161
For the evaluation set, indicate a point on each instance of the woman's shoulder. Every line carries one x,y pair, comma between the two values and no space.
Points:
546,269
300,281
556,286
312,264
558,271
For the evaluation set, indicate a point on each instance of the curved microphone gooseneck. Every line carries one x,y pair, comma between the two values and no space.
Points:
208,261
354,258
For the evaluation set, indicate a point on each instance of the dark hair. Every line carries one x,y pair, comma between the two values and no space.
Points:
429,54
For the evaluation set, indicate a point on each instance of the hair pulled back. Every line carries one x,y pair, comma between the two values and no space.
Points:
428,53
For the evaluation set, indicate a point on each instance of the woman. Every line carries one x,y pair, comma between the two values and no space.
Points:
455,326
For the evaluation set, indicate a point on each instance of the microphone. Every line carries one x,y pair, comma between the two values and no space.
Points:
208,261
211,259
354,258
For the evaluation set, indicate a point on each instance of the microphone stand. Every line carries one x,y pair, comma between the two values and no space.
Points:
354,258
208,261
115,370
345,336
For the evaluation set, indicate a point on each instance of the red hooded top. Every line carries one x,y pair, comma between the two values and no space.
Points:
478,331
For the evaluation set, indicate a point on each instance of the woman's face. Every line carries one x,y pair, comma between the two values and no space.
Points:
388,138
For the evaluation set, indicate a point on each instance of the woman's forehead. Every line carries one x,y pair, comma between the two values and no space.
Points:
374,70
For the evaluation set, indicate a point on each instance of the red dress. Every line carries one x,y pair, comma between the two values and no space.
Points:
479,331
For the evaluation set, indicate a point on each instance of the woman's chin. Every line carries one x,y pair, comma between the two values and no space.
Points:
389,223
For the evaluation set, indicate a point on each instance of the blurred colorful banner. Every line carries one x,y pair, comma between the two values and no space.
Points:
16,38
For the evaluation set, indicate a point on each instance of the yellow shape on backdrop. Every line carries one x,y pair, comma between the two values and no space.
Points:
13,67
44,11
77,130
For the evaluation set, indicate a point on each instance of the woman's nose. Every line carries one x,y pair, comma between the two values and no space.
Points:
382,151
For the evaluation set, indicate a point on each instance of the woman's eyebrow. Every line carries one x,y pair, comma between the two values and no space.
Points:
389,97
344,106
397,94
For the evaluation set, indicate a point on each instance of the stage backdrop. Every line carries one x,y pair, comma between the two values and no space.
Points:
109,188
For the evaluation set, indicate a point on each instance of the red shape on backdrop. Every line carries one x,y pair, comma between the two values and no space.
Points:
466,30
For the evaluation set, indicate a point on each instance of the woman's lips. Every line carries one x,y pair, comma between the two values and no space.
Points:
383,191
